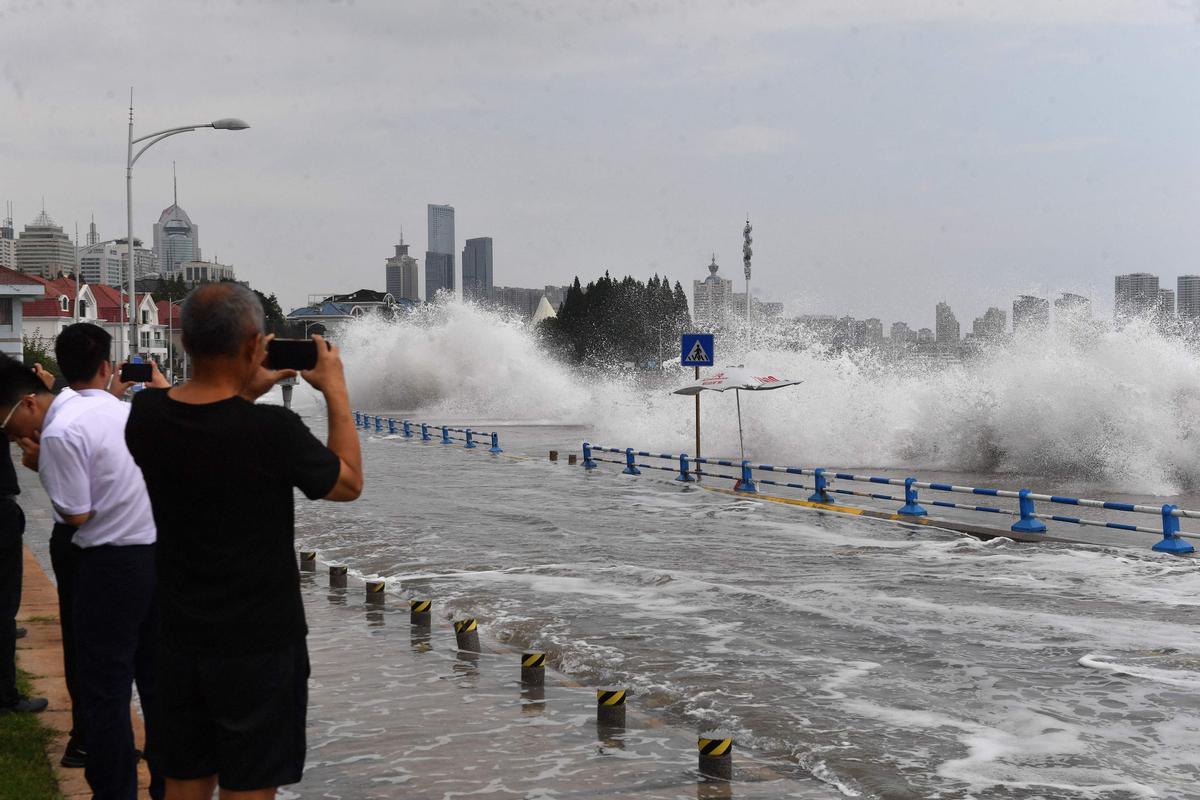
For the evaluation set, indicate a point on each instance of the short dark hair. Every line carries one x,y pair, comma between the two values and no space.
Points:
81,349
218,317
16,381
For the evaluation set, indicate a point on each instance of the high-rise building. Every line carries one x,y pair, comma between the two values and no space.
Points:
992,325
439,274
176,239
902,334
143,259
1188,296
477,268
711,296
873,332
439,258
44,250
8,242
1030,314
1073,305
102,263
946,325
1136,295
1166,304
401,274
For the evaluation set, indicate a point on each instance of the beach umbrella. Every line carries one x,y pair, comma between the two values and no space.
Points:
739,379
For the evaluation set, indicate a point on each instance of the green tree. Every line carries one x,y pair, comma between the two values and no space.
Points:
36,350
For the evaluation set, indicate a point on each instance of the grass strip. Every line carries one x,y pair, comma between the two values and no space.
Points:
25,771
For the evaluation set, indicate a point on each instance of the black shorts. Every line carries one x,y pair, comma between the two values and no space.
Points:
240,718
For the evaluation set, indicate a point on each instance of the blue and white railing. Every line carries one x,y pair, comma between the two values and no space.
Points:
1029,522
408,429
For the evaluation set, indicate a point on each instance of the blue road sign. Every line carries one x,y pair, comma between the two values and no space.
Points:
696,350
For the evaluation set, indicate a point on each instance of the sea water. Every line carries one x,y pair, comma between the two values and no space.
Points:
880,661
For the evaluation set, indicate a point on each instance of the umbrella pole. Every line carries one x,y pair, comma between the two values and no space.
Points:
741,445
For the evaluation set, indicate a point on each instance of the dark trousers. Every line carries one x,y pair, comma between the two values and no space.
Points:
64,559
12,560
116,634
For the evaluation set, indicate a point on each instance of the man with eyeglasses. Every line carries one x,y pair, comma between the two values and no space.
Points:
12,557
98,492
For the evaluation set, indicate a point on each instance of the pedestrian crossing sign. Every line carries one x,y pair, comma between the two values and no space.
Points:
696,350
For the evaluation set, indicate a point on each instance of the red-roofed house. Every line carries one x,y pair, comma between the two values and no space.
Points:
99,304
16,290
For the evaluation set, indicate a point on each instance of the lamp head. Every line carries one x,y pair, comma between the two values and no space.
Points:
230,124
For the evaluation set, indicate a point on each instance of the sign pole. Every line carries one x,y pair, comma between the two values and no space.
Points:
697,426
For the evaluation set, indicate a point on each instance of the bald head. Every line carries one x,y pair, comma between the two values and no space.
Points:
218,318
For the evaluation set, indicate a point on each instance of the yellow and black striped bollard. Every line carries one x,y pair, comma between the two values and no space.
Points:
375,593
716,756
571,459
610,708
308,560
337,576
419,612
533,669
554,455
466,631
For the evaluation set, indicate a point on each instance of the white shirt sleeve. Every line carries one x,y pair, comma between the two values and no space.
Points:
63,468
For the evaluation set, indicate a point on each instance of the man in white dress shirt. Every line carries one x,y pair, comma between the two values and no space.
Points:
95,486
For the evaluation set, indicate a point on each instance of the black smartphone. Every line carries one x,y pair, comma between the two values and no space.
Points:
292,354
137,373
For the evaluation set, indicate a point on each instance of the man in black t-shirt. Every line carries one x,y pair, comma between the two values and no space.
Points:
221,470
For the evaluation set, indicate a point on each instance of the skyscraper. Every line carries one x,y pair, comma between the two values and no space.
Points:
176,238
44,250
477,268
992,325
439,258
401,273
1136,295
1073,305
1030,314
946,325
8,242
711,296
1188,296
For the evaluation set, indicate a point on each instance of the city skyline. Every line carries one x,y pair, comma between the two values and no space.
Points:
1010,170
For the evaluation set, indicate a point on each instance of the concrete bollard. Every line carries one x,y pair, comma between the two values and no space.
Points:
572,458
610,708
716,756
554,455
308,560
533,669
419,613
466,632
533,700
337,576
375,593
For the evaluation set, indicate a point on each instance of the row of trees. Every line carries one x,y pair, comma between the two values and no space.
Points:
613,321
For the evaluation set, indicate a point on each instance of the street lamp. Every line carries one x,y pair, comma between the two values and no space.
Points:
224,124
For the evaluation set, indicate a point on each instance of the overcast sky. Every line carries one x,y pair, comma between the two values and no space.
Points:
890,154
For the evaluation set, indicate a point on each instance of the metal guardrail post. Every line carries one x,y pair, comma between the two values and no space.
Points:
425,437
911,507
357,421
1171,543
820,487
495,448
445,435
746,483
378,424
407,429
685,474
1028,523
391,427
470,439
630,464
588,463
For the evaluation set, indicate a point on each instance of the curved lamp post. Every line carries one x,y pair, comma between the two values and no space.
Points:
225,124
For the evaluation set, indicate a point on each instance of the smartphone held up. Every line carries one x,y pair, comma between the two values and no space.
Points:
297,354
